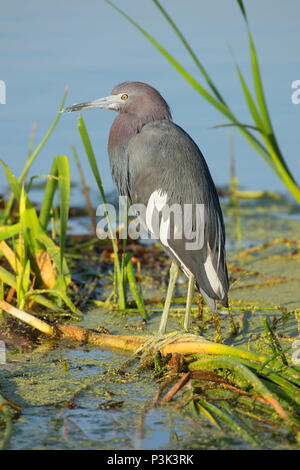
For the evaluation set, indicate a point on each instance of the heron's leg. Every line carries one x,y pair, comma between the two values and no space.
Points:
164,318
156,343
189,299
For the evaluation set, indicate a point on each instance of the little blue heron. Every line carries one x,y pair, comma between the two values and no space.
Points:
156,163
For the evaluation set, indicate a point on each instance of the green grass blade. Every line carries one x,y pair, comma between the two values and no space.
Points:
8,231
8,278
183,72
259,87
264,131
230,420
123,280
250,101
12,181
1,298
271,154
190,51
64,184
42,300
94,167
34,154
244,126
239,423
91,157
198,87
24,282
85,189
50,189
284,172
27,212
93,164
22,253
22,216
241,368
7,422
134,290
30,226
241,5
29,185
58,293
31,140
204,411
44,140
59,175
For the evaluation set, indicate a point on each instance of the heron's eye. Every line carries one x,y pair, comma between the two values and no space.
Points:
124,97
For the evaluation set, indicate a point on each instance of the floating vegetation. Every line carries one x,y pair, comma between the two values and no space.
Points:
249,385
8,410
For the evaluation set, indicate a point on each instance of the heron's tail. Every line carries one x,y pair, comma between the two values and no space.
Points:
211,302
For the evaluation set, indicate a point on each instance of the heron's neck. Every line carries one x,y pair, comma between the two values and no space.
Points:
127,125
122,129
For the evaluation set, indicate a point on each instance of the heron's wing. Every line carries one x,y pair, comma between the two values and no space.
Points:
167,167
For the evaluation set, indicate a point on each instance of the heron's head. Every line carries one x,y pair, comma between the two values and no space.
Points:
135,98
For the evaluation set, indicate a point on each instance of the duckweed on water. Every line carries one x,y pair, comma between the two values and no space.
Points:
75,395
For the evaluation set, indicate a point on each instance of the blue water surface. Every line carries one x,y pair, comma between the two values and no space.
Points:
90,47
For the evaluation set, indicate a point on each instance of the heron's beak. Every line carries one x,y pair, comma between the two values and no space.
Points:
109,102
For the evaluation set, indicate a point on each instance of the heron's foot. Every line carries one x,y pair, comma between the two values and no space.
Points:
159,341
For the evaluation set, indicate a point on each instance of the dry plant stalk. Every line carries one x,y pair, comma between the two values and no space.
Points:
11,257
85,335
47,272
127,343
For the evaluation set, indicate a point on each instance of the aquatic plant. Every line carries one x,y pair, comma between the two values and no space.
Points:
123,271
268,147
222,383
38,269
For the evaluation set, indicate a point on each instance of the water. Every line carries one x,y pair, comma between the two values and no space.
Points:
43,380
90,47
